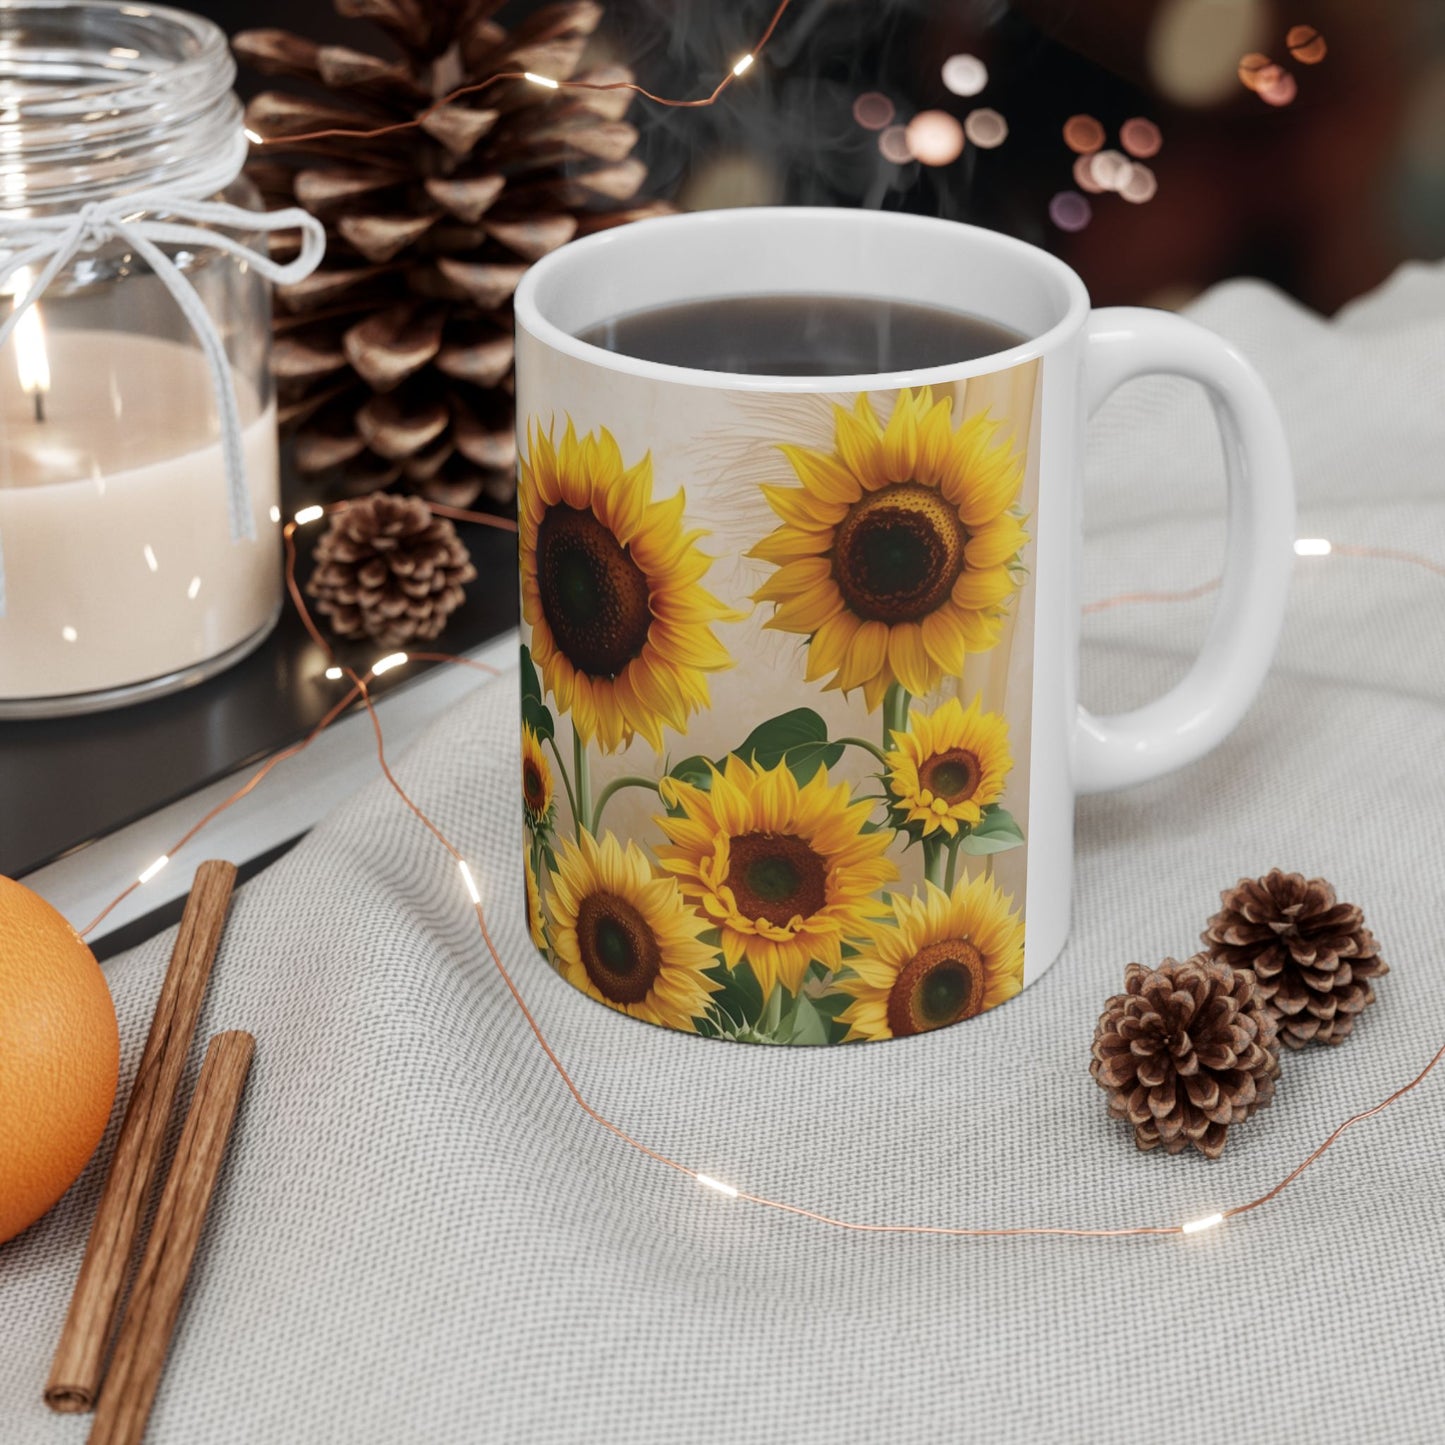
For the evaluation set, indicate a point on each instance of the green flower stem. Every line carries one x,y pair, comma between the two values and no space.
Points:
582,778
866,746
933,851
895,712
616,786
952,873
566,781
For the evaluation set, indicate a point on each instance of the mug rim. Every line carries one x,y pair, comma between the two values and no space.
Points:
529,313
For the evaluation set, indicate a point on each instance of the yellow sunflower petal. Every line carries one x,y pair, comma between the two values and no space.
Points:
995,543
900,440
935,441
943,640
859,444
980,588
824,476
909,659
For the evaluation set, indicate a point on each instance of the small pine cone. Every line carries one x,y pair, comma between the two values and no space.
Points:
1312,956
388,570
1185,1051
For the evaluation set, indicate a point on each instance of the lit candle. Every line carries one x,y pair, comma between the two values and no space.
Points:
120,566
32,361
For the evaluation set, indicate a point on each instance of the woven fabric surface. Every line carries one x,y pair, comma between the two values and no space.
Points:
419,1236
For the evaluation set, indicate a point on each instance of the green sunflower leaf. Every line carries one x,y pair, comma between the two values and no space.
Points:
740,997
535,712
996,833
695,770
799,738
802,1024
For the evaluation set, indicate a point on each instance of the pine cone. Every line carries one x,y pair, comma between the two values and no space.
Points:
1313,957
1185,1051
388,570
394,360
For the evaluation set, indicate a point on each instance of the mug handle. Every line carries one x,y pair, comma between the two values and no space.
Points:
1124,342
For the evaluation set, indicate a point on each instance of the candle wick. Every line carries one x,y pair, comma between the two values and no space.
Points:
39,404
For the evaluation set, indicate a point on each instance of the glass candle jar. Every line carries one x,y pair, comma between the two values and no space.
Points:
128,568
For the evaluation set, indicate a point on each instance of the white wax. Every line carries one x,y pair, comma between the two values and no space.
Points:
118,557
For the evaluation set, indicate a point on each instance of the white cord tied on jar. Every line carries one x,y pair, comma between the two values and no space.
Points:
51,242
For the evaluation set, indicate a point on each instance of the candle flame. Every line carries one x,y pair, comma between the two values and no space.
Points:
32,361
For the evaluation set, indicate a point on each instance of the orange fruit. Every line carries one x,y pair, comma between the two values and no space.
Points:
59,1056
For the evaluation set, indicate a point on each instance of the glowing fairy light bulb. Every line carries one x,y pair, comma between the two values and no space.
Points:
148,873
1198,1226
543,80
744,61
721,1186
1312,547
312,513
472,890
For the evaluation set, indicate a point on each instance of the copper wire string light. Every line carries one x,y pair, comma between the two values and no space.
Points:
359,690
740,67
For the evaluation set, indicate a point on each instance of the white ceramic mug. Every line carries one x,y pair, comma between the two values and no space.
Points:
800,654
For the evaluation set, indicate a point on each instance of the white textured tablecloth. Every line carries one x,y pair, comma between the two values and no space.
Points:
419,1237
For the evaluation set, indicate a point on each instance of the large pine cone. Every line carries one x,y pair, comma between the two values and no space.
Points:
1313,957
1185,1051
388,570
394,360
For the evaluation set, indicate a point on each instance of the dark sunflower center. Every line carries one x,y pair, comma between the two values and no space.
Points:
897,553
619,949
534,791
939,985
953,776
594,596
776,876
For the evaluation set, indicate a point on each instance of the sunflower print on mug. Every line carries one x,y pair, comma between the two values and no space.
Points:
537,786
784,871
621,626
625,935
897,553
536,924
947,768
938,959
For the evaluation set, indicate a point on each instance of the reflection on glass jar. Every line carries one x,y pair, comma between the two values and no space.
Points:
122,576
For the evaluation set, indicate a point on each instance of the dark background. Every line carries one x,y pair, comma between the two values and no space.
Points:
1323,196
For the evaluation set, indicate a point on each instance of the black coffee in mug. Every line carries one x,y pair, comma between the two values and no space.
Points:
802,335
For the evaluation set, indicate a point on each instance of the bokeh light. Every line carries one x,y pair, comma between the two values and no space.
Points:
1194,46
1306,44
1083,134
1140,137
985,128
1084,175
873,110
1252,66
934,137
894,145
1070,211
1110,169
1141,184
1278,89
964,74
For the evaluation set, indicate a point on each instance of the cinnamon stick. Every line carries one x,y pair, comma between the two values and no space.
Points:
79,1362
155,1298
